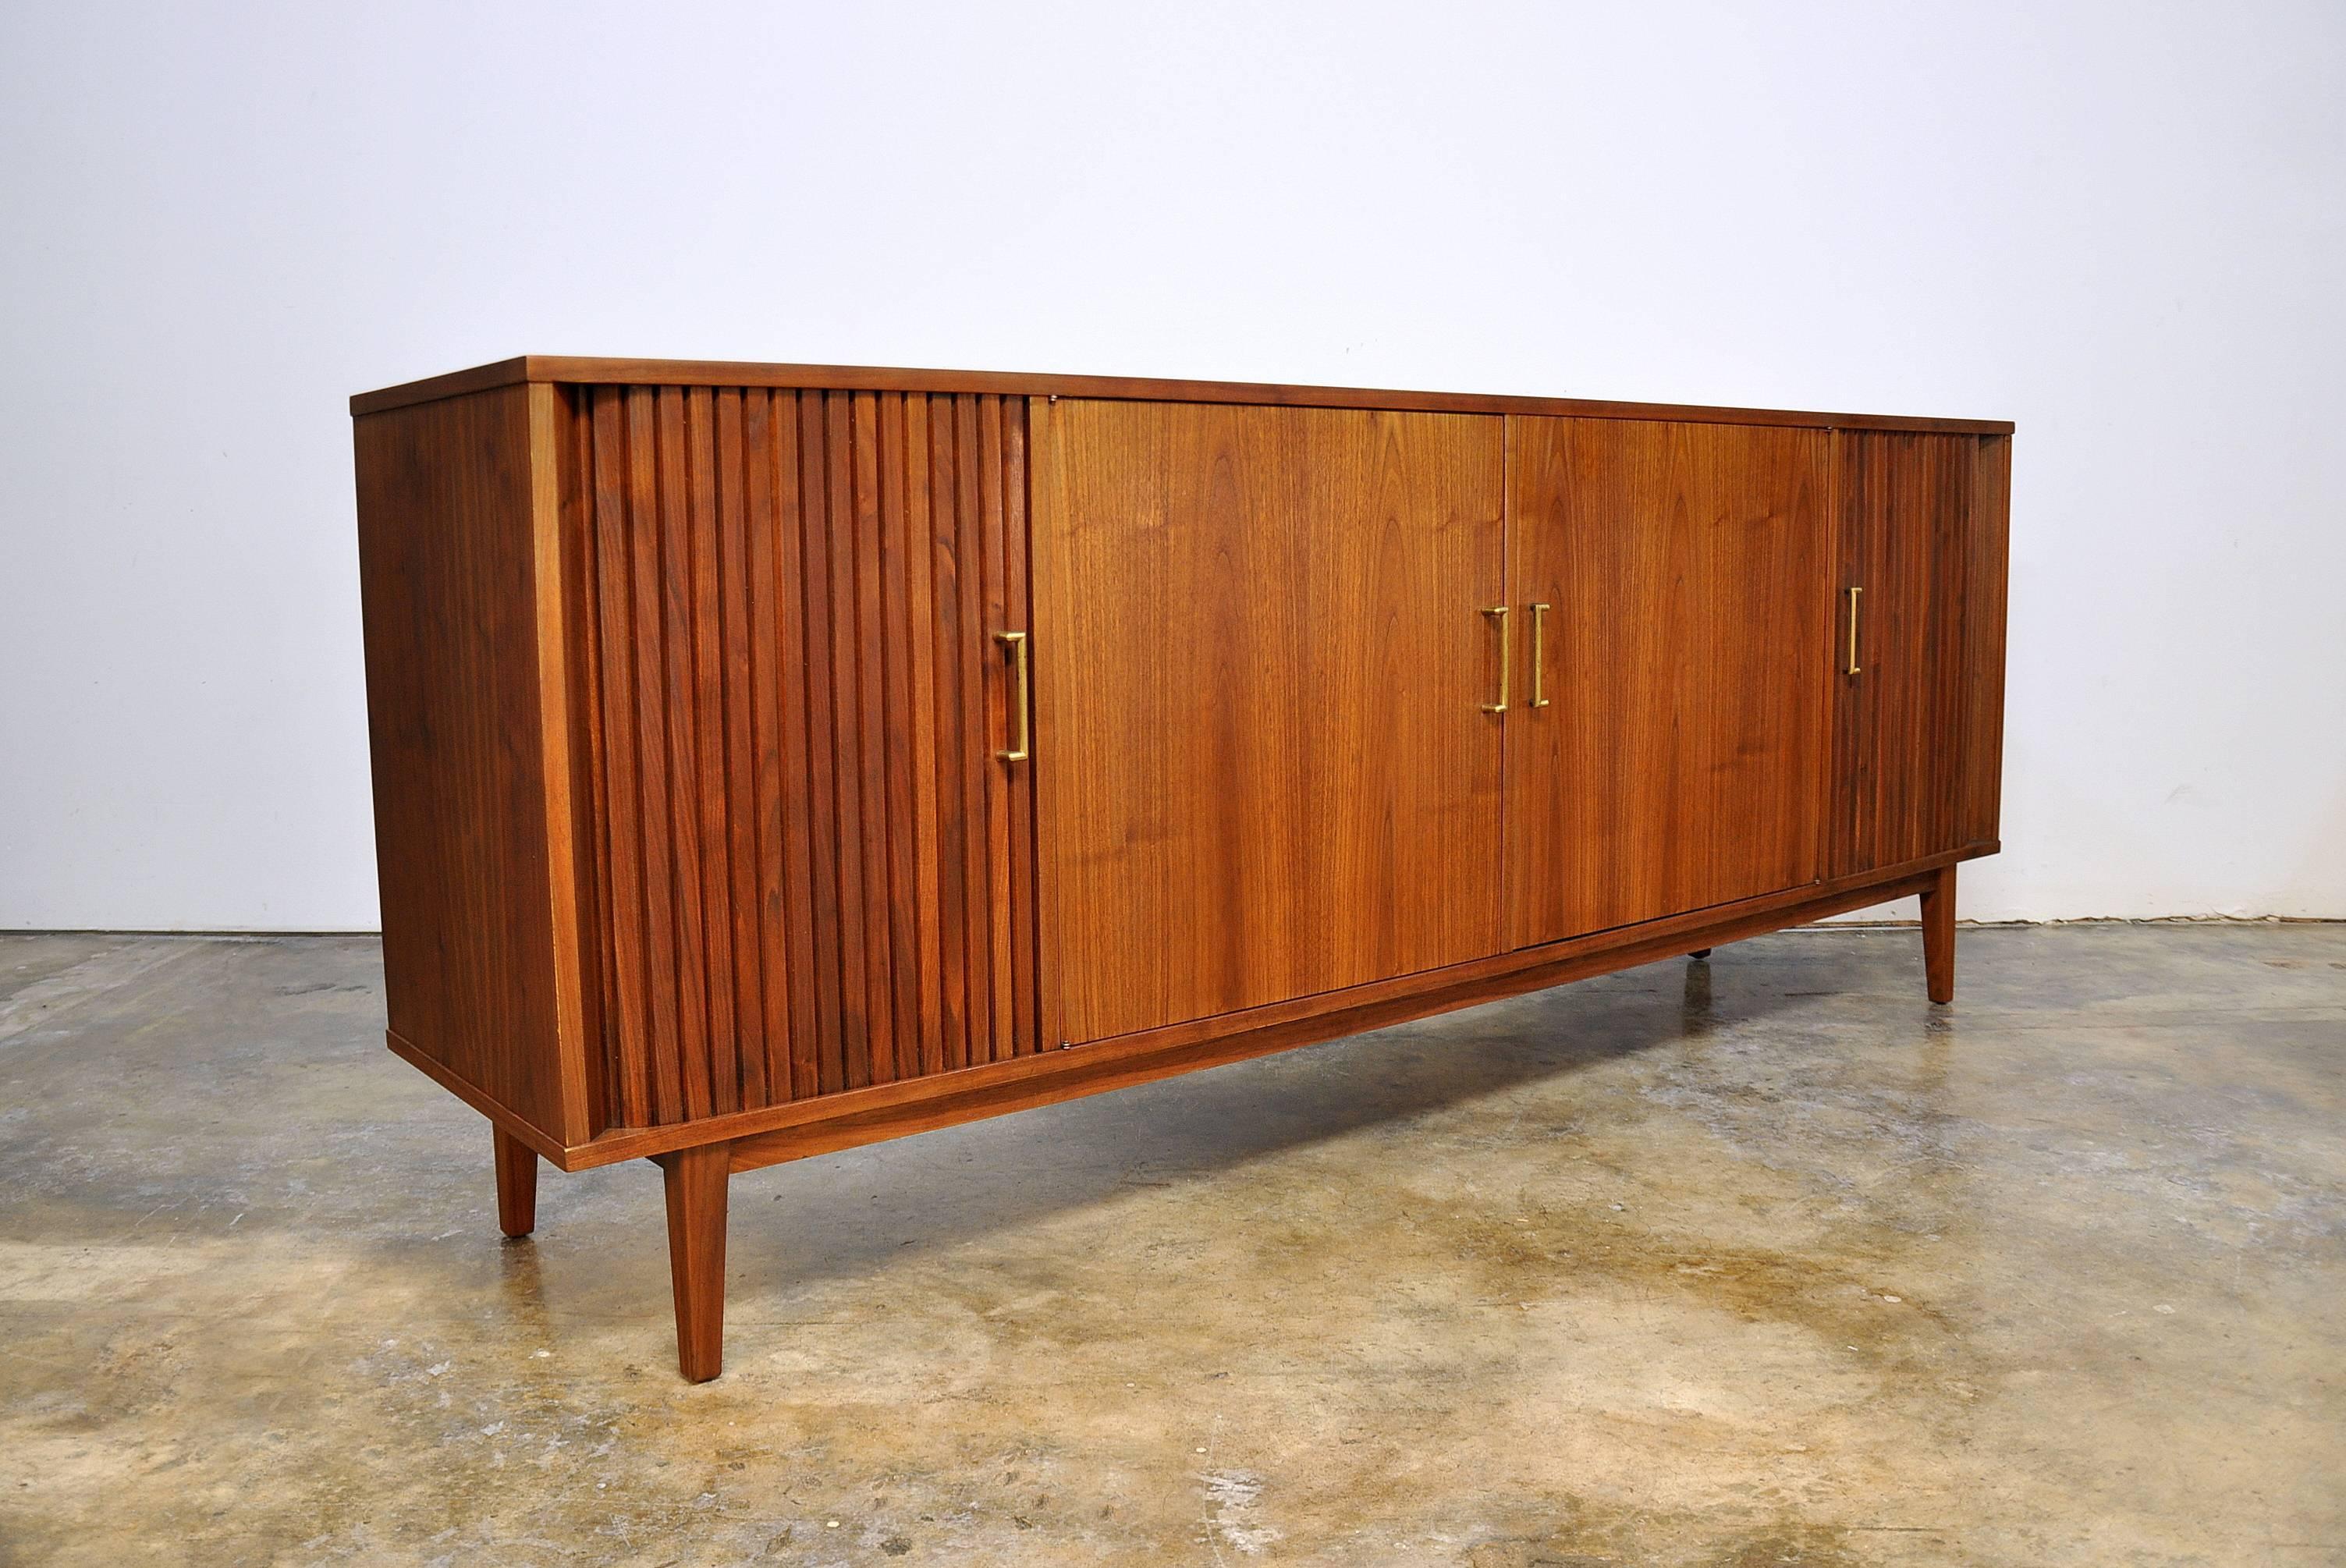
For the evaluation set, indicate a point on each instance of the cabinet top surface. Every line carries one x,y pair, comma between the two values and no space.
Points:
556,368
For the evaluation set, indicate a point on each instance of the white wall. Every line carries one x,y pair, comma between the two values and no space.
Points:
2118,224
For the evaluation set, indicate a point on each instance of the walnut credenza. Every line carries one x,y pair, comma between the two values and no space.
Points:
774,759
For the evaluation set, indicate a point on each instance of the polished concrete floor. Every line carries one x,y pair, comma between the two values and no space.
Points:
1763,1261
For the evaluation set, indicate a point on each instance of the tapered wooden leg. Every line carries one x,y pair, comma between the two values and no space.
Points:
697,1180
1939,935
1699,953
516,1184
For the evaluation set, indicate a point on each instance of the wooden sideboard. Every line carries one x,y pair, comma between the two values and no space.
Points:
774,759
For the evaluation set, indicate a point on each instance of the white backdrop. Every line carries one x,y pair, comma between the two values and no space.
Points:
2118,224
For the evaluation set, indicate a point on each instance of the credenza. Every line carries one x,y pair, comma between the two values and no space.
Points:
770,759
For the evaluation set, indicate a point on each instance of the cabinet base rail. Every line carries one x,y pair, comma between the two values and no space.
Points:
699,1160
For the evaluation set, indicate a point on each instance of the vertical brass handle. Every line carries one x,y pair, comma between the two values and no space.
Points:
1539,656
1022,720
1499,613
1853,669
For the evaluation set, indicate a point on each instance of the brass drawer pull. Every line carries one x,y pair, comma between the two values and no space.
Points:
1539,656
1499,613
1020,701
1853,668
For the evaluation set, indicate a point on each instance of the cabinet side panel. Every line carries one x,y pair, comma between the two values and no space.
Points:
815,874
1985,573
448,573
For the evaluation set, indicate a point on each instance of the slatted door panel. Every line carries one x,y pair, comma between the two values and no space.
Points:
1914,776
812,871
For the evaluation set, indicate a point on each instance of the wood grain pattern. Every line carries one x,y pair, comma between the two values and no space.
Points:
685,700
1899,724
517,1165
697,1180
573,370
1986,566
790,748
1260,657
451,530
1939,935
1681,760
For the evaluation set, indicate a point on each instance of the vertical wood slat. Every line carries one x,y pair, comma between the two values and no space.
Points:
810,870
584,587
664,1095
769,711
952,654
620,864
826,907
679,697
739,818
895,634
846,762
868,728
787,614
723,1092
976,727
921,635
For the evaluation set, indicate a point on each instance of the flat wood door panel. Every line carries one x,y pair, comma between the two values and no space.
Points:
1914,775
1260,667
810,872
1681,760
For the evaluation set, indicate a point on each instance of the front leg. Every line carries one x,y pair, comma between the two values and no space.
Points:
697,1182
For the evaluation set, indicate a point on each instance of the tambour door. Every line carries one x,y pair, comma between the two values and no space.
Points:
1262,667
1674,582
809,866
1918,713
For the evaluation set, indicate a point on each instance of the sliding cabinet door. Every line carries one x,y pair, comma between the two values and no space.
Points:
810,864
1918,714
1262,665
1671,752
